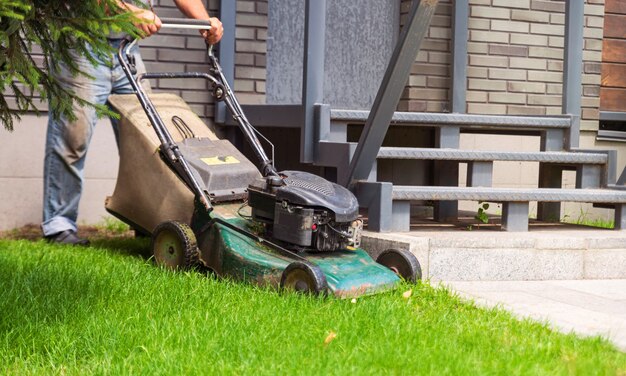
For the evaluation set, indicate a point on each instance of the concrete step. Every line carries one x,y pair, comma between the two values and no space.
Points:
547,252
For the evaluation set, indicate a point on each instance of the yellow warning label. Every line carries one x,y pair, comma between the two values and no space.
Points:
213,161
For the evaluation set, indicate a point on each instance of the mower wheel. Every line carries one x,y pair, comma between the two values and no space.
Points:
401,262
304,278
174,245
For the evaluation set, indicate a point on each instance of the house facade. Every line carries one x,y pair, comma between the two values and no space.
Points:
513,53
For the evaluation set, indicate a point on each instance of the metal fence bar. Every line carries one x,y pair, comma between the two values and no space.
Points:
390,90
400,192
313,74
573,66
226,51
460,33
434,118
388,152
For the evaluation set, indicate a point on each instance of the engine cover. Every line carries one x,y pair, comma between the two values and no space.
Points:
307,211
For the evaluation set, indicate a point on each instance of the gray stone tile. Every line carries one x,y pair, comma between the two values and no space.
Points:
585,300
607,242
482,241
561,243
605,264
504,264
607,288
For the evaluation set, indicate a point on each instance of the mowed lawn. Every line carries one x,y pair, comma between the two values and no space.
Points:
108,310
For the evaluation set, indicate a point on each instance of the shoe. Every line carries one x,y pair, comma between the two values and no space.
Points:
67,237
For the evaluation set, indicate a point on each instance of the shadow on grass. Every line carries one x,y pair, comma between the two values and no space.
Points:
124,246
40,291
120,242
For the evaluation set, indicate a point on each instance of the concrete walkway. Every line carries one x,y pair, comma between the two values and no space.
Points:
587,307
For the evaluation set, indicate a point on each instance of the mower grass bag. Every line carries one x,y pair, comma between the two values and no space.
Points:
147,191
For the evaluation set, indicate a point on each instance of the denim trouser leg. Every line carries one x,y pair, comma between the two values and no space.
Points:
67,141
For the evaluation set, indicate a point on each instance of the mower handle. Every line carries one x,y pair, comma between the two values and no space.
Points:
185,23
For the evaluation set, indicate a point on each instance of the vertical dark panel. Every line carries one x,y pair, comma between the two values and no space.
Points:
359,41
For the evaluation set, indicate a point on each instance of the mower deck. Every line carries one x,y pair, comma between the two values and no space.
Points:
230,252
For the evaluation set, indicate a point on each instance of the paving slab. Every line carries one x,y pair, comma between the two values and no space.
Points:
586,307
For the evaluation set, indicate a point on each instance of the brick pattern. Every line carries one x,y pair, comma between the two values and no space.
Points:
251,51
515,62
175,50
429,82
179,50
592,64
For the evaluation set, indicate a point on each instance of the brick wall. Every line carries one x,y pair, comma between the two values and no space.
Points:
429,82
592,61
515,62
175,50
180,50
516,58
251,51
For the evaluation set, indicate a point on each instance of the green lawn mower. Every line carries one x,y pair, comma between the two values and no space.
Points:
205,204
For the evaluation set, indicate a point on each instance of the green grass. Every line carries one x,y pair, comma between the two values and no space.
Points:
106,310
585,218
113,225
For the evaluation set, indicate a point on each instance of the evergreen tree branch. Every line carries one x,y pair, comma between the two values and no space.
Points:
61,30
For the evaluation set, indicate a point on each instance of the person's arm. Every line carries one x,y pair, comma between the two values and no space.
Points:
195,9
152,24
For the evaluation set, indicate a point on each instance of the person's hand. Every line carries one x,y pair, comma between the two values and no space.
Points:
213,35
151,22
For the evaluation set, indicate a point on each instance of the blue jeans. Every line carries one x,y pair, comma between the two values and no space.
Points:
67,141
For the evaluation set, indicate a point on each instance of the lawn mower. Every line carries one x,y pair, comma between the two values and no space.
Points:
204,204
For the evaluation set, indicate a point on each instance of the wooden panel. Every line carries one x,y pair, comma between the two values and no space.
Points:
614,75
613,89
613,99
614,51
615,6
614,26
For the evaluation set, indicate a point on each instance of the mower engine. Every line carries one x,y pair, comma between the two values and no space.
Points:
306,212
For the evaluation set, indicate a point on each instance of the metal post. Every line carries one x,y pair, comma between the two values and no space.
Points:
573,66
226,51
459,56
390,90
446,172
551,176
313,74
